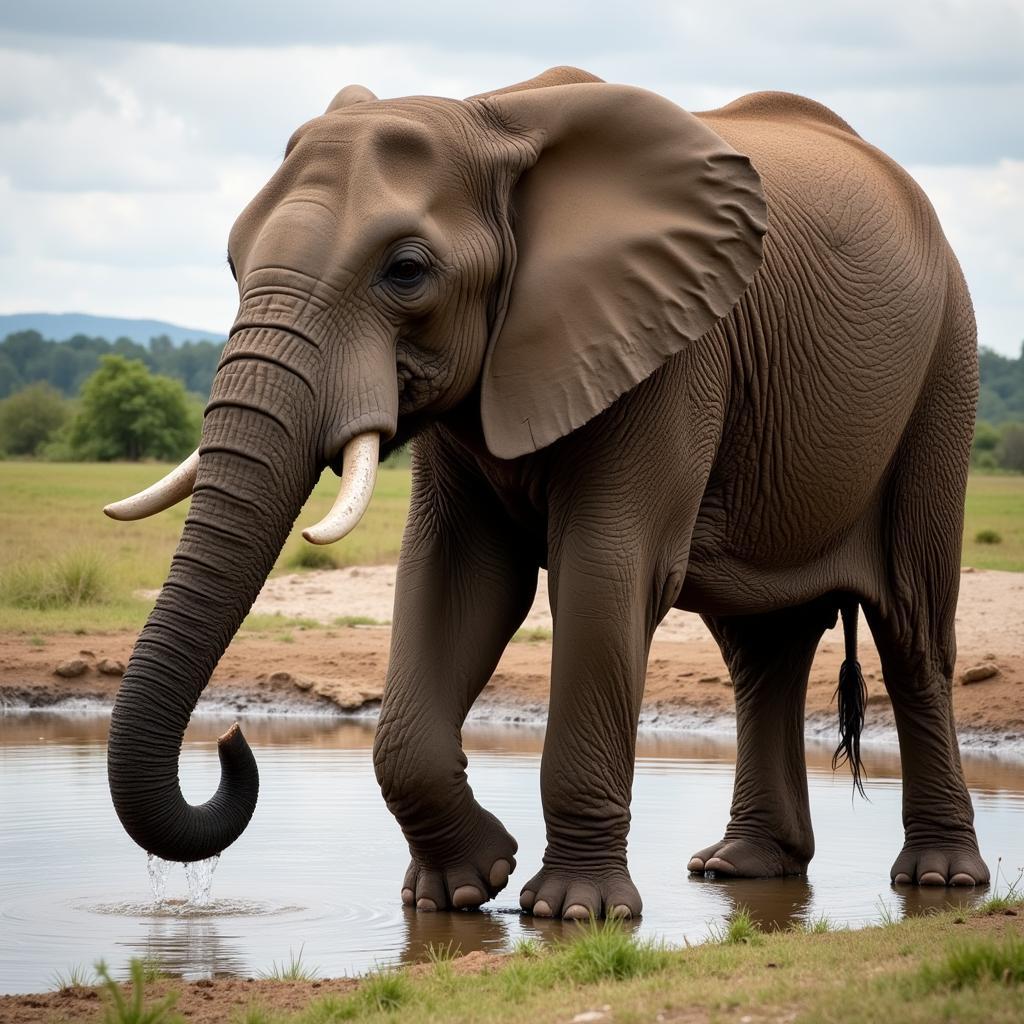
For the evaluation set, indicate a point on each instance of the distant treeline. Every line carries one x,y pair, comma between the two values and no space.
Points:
26,357
42,383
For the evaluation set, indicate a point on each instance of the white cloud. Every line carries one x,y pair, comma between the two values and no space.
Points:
135,133
982,213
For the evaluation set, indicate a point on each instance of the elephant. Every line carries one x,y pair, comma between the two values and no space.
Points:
720,361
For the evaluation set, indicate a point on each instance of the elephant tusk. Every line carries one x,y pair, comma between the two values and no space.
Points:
168,491
358,475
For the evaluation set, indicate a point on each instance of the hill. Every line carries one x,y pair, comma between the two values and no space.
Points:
60,326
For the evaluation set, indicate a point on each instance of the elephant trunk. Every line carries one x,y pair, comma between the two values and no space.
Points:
258,463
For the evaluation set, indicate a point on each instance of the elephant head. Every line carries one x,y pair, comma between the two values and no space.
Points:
529,254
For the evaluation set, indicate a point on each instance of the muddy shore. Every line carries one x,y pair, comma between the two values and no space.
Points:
341,668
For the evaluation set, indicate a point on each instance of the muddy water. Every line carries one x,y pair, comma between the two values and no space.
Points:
320,866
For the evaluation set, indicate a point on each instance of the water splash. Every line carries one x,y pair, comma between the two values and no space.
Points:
199,878
158,869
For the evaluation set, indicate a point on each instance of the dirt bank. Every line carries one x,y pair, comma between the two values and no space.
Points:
341,667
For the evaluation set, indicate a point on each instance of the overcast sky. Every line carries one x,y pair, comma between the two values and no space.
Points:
134,133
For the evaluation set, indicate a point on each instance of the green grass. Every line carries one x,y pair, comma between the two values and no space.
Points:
995,506
292,970
132,1009
55,543
51,516
311,556
972,963
740,930
78,976
918,970
533,635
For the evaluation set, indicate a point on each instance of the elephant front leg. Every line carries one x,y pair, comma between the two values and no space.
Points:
602,603
463,589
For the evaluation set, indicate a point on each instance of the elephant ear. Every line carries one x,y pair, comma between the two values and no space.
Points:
636,228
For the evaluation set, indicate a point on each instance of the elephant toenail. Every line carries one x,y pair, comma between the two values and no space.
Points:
902,879
577,912
542,909
720,865
467,896
931,878
408,897
526,898
425,903
696,866
961,878
620,912
500,870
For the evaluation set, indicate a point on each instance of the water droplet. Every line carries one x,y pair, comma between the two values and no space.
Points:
199,878
158,869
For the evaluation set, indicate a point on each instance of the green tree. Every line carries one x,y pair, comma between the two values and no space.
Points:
129,413
1011,447
983,447
30,418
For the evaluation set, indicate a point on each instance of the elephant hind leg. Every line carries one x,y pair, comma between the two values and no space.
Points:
913,628
769,658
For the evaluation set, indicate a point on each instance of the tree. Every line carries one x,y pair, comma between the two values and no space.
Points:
1011,447
129,413
30,418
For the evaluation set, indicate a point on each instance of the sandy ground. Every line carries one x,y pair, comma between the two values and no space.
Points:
341,667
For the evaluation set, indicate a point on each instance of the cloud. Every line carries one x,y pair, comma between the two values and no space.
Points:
135,133
982,214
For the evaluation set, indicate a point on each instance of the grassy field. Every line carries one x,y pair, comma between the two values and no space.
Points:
58,551
52,525
954,966
995,503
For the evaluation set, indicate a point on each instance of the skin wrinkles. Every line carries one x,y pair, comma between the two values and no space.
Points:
721,362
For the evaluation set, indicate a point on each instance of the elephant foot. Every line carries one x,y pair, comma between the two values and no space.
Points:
744,858
940,864
581,894
478,873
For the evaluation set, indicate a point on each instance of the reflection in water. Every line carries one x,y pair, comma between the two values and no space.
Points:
917,901
462,932
191,948
320,866
775,904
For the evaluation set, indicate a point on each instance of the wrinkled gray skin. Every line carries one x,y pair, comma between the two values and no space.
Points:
799,442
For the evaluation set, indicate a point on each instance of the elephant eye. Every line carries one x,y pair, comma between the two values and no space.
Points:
406,270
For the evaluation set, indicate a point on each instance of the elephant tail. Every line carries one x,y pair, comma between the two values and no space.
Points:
852,697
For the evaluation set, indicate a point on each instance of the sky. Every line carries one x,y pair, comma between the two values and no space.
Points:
134,133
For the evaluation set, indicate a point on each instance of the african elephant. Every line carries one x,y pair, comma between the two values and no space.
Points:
722,362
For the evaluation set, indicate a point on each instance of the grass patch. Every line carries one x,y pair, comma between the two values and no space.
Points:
988,537
995,506
311,556
384,992
78,976
740,930
295,969
969,964
348,621
53,509
275,623
133,1010
73,580
605,951
536,635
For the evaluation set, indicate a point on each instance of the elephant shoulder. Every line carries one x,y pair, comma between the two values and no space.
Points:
785,107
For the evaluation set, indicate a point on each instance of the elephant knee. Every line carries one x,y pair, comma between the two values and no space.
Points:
417,778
